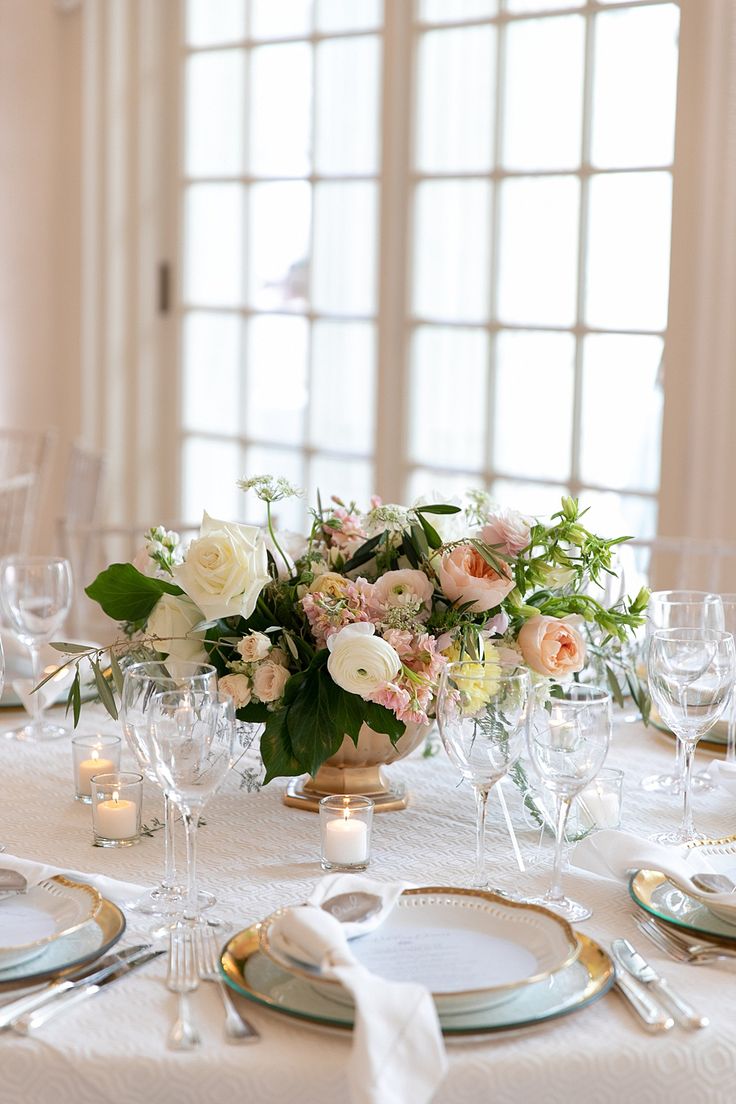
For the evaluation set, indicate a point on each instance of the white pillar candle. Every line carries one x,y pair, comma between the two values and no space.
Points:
116,819
346,841
599,809
90,767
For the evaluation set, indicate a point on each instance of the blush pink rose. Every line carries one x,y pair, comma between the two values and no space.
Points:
466,577
238,687
508,530
269,680
552,645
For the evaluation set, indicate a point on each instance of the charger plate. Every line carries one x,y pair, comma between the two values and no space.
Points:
30,921
469,947
256,977
70,951
657,895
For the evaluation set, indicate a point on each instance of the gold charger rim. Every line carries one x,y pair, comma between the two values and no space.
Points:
590,954
486,895
95,904
644,883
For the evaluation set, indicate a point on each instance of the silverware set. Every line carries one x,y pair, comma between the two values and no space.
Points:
679,947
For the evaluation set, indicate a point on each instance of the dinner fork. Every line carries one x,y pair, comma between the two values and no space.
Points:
237,1028
182,979
681,949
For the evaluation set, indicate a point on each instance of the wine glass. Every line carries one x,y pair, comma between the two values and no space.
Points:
729,625
140,682
691,676
680,609
481,715
191,740
568,741
35,595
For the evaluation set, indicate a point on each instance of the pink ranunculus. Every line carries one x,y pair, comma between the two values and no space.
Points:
269,680
404,588
552,645
466,577
508,530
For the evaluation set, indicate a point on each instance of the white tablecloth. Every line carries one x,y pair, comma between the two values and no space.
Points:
257,854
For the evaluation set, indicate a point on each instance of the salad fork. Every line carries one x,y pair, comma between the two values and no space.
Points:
237,1028
182,979
680,948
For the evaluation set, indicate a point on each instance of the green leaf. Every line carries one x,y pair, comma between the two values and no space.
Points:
276,751
363,554
433,537
383,720
614,687
255,712
117,674
74,699
103,689
420,541
316,719
72,649
442,508
126,595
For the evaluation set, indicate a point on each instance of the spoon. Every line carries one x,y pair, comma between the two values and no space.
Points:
353,908
713,883
11,882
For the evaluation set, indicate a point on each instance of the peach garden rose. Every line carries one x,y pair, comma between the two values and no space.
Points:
552,645
466,577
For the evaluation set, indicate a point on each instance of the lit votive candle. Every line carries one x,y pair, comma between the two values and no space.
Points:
345,823
599,806
93,755
116,809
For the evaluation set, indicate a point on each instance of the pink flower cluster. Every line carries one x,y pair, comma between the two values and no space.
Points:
349,535
328,612
409,696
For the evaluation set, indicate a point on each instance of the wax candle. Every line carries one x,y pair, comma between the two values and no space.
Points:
116,819
599,809
346,841
87,768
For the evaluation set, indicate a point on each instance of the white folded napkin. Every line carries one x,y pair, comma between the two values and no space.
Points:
723,774
123,894
398,1052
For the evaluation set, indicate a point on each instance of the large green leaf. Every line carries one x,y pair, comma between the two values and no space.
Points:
317,719
276,751
383,720
126,595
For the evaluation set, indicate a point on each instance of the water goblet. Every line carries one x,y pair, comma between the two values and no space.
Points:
691,675
568,741
191,740
35,595
729,625
482,713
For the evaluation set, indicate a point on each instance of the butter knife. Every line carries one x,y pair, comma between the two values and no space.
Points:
651,1015
89,972
28,1023
636,964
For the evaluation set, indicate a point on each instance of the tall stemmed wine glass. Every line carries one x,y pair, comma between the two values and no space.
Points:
729,625
691,676
568,741
2,684
679,609
191,740
482,715
141,681
35,595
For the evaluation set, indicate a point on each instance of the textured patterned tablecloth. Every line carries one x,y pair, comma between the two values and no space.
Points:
256,854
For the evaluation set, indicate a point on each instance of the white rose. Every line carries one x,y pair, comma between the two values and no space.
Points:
238,687
172,620
225,568
360,661
269,681
254,647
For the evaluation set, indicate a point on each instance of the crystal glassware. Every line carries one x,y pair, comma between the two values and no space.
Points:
691,676
35,595
729,624
345,822
568,741
117,798
93,755
482,714
191,742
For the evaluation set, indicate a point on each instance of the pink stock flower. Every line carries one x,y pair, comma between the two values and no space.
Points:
391,696
349,535
328,612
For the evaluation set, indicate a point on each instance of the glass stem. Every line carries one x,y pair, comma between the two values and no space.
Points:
191,823
35,701
563,808
481,804
688,828
169,881
731,749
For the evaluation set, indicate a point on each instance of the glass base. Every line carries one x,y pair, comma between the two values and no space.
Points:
36,733
676,838
562,906
103,841
661,783
343,868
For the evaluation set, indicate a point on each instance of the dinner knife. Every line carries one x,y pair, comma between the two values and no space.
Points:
637,965
28,1023
651,1015
89,972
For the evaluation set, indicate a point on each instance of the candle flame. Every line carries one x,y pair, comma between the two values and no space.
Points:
116,796
95,753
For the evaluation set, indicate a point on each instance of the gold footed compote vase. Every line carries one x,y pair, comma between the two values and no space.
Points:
359,770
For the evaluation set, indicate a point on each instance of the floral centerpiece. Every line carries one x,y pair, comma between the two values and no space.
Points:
352,625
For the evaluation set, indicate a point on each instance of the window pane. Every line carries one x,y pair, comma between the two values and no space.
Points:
343,386
617,515
348,81
456,94
209,23
538,500
336,15
214,90
279,245
211,370
219,497
543,104
634,86
213,250
538,256
448,396
447,11
276,394
629,251
278,20
280,110
452,249
441,486
348,479
621,388
539,365
541,5
344,258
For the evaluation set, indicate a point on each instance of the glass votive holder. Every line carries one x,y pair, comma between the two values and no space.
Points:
599,804
93,755
345,822
116,808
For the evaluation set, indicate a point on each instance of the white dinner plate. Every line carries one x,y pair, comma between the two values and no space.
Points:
54,908
656,894
470,948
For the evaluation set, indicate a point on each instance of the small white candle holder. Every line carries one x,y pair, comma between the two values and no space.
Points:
345,822
599,804
116,809
93,755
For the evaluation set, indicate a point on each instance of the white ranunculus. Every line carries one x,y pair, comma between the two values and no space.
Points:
172,621
360,661
225,568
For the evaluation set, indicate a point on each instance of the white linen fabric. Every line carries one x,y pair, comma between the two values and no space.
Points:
257,855
723,774
398,1052
123,894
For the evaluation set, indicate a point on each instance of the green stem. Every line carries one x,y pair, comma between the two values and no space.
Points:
273,538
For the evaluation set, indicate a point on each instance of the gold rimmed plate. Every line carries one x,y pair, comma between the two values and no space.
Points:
249,972
30,921
657,895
